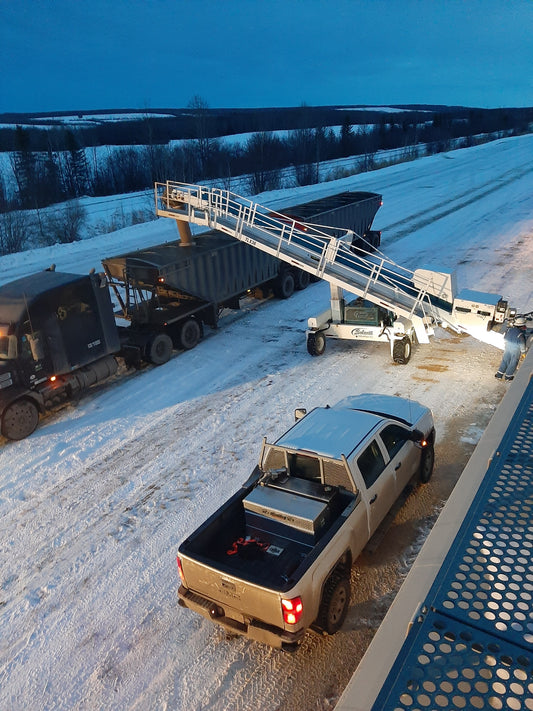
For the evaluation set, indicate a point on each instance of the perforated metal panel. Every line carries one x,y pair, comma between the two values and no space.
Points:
473,646
449,667
487,578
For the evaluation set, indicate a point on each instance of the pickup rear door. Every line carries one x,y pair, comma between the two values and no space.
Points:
372,465
402,454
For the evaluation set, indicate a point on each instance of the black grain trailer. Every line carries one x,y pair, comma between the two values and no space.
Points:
173,290
349,210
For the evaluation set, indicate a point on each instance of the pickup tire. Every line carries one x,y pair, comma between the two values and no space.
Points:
401,351
334,605
316,343
426,463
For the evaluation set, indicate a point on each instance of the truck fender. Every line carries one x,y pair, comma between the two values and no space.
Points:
17,394
335,597
342,567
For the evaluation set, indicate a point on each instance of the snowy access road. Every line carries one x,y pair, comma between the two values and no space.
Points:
94,504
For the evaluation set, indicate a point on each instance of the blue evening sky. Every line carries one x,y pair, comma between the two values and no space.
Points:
104,54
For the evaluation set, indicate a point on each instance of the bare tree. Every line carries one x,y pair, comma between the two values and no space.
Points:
206,146
261,150
23,163
65,225
13,232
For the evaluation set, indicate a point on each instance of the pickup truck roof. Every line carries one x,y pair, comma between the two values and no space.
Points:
338,430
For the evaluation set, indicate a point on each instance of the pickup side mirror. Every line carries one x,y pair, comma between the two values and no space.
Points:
418,437
299,413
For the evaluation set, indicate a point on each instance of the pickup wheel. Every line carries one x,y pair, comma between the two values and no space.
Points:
426,464
20,419
334,605
401,351
316,343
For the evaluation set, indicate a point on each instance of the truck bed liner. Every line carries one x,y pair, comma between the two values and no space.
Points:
262,550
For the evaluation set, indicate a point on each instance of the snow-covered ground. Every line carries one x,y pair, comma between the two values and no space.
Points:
94,504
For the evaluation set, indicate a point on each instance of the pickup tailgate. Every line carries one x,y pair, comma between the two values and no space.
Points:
223,598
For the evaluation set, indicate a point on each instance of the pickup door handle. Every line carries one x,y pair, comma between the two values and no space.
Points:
397,466
373,499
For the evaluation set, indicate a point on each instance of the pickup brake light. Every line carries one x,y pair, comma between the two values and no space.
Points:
180,569
292,610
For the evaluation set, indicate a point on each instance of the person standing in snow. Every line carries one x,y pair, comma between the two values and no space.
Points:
515,346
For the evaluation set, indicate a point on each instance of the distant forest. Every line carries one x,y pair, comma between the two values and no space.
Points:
54,158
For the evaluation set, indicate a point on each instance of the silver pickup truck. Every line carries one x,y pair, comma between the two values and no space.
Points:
275,559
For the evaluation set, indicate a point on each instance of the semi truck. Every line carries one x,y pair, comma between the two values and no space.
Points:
60,333
274,560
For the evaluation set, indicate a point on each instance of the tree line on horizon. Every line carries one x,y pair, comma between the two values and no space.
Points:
43,178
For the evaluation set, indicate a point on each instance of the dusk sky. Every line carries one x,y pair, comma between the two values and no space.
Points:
99,54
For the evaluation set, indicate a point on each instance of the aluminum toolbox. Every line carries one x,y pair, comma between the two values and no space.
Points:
300,512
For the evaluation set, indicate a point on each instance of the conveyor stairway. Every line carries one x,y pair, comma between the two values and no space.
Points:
311,248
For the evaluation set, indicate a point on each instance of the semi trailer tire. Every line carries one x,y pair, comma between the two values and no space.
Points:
316,343
20,419
190,334
159,349
334,605
401,351
284,285
302,280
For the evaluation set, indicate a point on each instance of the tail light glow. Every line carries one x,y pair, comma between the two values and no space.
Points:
292,610
180,569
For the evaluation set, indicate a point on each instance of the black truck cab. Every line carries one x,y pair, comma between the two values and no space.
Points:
54,328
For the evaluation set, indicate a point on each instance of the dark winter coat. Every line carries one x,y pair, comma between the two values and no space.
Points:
515,339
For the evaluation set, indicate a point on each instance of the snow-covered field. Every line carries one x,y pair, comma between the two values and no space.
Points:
94,504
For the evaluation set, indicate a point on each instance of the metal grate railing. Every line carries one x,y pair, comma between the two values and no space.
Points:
449,667
472,645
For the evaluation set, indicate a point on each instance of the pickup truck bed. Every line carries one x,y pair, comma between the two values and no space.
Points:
268,535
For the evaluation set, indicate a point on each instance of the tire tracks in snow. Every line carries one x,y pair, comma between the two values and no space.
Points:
417,221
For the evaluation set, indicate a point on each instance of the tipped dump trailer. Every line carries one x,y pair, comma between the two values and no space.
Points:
348,210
